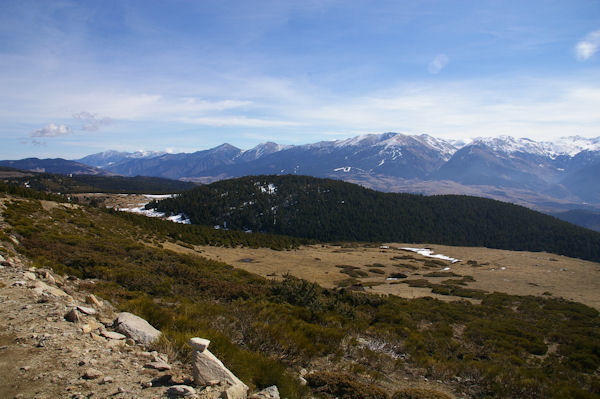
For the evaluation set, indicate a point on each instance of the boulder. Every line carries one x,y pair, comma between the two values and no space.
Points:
199,344
207,368
268,393
137,328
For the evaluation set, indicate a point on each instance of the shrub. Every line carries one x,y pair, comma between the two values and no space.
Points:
418,393
344,386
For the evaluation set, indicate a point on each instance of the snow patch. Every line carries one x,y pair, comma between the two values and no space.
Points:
343,169
429,253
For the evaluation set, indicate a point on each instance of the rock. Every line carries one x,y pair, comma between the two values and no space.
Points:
159,365
206,367
41,287
92,300
98,338
94,325
137,328
180,391
236,391
29,276
199,344
73,316
112,335
86,328
107,380
91,374
87,310
115,343
268,393
19,283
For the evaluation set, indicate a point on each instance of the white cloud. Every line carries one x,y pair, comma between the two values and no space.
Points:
51,130
92,122
586,48
439,62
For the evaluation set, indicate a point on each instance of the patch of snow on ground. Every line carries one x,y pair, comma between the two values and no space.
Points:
159,196
140,209
429,253
270,189
343,169
179,219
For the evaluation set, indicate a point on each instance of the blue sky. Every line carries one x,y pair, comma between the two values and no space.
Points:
79,77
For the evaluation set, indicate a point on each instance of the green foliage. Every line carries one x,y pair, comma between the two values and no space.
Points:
331,210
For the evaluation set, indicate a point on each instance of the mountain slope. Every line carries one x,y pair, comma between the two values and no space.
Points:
333,210
56,165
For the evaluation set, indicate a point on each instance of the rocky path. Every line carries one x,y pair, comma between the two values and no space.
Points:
59,342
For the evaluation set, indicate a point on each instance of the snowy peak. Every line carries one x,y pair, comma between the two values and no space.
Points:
510,145
569,146
262,150
112,157
572,145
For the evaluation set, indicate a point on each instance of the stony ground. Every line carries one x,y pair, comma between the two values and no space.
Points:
42,355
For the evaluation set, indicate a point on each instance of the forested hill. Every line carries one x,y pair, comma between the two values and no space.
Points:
332,210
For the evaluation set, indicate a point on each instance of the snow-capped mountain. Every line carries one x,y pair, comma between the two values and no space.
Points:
111,157
561,170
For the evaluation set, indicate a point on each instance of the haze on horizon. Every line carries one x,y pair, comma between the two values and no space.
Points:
82,77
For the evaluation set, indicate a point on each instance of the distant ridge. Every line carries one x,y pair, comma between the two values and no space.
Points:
549,176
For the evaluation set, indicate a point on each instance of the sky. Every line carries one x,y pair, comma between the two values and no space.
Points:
80,77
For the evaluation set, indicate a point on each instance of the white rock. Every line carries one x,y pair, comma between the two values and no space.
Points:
180,391
199,344
206,368
159,365
137,328
112,335
86,310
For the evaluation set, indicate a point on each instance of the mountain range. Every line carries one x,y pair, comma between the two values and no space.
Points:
549,176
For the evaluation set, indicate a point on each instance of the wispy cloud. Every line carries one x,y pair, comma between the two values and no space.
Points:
438,63
51,130
92,122
586,48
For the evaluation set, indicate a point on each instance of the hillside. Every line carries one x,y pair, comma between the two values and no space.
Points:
331,210
85,183
267,331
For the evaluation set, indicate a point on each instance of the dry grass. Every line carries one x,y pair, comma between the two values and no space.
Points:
512,272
